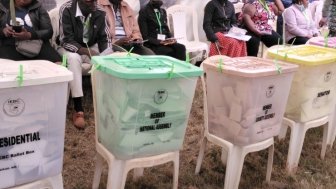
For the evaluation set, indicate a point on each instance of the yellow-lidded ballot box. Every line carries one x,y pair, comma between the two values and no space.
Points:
312,94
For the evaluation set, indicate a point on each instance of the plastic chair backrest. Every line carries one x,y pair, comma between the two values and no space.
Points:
178,22
54,17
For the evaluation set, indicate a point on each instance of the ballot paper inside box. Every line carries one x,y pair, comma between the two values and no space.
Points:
32,121
246,98
312,94
144,116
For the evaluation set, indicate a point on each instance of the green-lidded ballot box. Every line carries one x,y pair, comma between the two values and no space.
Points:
142,104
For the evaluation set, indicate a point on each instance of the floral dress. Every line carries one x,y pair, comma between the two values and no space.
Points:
262,16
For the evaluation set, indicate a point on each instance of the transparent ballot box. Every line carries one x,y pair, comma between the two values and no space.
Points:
142,104
321,41
246,97
33,98
312,94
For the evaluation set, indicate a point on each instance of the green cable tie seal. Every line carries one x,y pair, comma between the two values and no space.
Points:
277,67
130,51
94,67
64,60
187,57
220,66
19,78
326,39
171,72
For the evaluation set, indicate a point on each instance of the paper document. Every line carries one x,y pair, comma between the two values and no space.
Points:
238,33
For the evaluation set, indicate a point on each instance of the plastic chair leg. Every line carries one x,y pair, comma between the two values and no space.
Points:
98,171
270,163
235,164
224,156
201,155
115,175
332,129
137,172
283,131
176,171
297,136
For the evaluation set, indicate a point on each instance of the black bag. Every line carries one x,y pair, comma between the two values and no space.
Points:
29,48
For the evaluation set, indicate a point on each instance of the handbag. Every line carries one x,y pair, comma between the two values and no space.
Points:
29,48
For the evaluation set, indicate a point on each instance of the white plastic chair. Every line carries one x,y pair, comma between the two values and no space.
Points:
298,132
178,22
232,155
118,169
55,182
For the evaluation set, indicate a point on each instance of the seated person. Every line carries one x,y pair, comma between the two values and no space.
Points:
123,27
256,17
299,25
36,25
153,26
329,15
83,34
219,16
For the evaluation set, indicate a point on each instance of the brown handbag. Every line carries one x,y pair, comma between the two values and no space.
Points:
29,48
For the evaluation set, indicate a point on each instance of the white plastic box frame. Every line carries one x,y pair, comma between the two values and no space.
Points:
312,94
32,121
246,97
143,117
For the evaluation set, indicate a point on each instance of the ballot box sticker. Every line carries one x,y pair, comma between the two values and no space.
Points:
327,76
13,107
160,96
270,91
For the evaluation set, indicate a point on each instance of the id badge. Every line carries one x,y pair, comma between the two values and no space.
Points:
161,37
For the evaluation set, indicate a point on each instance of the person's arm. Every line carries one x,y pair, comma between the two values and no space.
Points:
292,25
279,7
233,19
207,21
143,25
325,12
248,13
44,31
164,18
67,34
104,38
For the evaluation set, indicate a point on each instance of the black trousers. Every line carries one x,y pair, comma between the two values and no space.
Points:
46,53
268,40
175,50
298,40
138,49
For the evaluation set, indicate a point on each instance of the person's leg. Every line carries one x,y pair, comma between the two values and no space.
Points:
252,45
74,61
162,50
48,53
271,40
9,52
279,26
179,51
142,50
298,40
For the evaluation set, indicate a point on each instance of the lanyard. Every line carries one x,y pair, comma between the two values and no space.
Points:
158,16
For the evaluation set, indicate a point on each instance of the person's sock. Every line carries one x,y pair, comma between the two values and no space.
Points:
78,104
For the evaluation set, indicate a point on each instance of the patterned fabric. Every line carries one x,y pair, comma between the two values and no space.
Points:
231,47
332,20
262,16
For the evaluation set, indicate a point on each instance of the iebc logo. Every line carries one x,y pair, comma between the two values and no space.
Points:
13,107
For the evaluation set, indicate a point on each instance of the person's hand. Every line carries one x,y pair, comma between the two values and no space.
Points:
123,41
218,45
323,21
8,31
309,36
168,41
23,35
